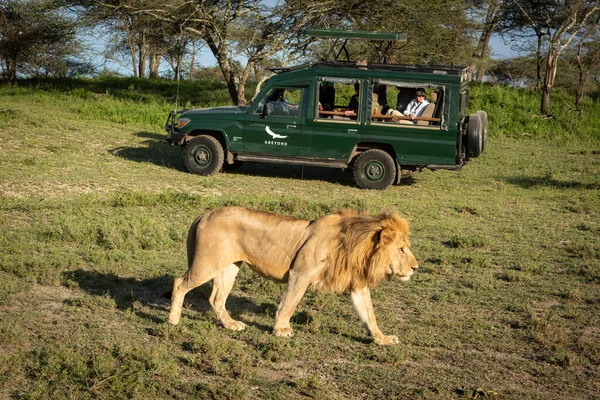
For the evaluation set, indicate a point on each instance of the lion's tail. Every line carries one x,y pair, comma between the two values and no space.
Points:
191,240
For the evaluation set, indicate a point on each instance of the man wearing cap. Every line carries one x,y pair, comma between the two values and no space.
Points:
413,110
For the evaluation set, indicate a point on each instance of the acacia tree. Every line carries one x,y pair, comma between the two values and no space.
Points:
493,11
562,21
587,56
31,31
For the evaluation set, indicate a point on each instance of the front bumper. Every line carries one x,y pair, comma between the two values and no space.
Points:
174,136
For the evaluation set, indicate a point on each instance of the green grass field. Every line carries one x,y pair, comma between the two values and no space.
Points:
94,211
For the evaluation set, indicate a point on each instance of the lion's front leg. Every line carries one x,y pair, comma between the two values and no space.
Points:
294,291
361,300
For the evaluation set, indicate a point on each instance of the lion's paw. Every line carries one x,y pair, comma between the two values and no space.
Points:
283,332
386,340
235,326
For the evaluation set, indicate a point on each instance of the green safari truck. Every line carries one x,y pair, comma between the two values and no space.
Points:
341,115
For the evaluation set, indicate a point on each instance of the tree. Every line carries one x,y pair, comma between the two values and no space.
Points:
493,10
33,32
252,28
562,21
138,37
587,56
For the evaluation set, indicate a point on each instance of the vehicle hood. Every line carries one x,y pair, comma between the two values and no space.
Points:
215,111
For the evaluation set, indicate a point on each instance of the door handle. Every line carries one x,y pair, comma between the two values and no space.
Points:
291,126
352,130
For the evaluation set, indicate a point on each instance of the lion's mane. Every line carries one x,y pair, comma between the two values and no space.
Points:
359,258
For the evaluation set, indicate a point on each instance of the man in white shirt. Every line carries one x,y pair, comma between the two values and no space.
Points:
413,110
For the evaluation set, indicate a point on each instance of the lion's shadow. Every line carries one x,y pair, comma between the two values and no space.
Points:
155,293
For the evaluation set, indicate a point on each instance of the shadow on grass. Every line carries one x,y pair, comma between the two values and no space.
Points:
157,151
155,293
532,182
154,150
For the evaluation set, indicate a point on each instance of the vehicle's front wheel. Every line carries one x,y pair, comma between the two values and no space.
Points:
204,155
374,169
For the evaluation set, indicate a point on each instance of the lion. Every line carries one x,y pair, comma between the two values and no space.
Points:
345,252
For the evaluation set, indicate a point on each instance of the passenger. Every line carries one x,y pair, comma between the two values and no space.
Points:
414,109
375,108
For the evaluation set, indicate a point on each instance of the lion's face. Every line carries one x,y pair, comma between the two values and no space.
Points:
400,260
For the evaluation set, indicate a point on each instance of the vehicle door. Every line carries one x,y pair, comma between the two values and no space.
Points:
274,125
335,127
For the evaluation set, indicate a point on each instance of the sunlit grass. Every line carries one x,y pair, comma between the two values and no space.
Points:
94,211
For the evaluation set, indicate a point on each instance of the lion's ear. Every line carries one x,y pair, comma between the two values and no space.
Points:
386,236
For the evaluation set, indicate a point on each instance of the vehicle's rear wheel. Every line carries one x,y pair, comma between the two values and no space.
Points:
474,136
204,155
484,126
374,169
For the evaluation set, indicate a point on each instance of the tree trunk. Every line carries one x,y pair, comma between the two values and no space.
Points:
538,58
480,53
154,64
11,69
242,83
193,61
220,53
551,66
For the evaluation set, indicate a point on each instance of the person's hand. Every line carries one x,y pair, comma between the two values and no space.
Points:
412,116
349,113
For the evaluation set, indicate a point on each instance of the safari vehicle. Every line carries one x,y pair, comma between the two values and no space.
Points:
336,114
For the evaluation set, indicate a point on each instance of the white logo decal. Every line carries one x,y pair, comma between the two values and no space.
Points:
275,136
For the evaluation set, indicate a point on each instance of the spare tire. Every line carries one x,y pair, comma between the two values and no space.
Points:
474,136
484,122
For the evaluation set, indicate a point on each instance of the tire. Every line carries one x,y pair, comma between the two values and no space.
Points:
204,155
484,121
474,136
374,169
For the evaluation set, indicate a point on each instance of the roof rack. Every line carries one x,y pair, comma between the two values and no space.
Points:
431,69
386,40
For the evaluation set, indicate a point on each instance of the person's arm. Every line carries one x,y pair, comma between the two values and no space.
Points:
408,108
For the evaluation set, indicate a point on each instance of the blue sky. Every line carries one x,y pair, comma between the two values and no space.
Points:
499,50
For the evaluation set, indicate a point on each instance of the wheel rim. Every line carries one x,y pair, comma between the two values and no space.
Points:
202,156
374,171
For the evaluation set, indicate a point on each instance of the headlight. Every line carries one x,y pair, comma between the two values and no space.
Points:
181,122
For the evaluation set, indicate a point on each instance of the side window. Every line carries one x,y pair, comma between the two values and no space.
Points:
283,102
338,100
404,104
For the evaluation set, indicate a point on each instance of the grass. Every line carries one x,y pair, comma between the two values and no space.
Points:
95,206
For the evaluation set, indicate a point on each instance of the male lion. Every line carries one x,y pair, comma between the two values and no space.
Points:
343,252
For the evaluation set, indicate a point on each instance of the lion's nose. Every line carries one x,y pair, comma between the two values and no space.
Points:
416,266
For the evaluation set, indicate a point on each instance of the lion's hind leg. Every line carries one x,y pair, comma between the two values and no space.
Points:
193,278
222,284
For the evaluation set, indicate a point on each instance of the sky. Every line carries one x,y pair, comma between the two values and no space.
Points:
499,50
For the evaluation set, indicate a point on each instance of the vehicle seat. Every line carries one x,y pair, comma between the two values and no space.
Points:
438,107
427,113
404,97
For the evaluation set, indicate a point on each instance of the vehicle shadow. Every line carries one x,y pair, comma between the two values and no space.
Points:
157,151
154,293
532,182
154,150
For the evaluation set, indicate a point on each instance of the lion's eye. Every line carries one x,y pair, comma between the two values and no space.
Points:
402,250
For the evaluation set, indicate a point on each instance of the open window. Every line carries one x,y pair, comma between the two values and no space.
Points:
409,104
338,99
283,102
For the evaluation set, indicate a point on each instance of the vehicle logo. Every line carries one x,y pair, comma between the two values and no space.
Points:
273,134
